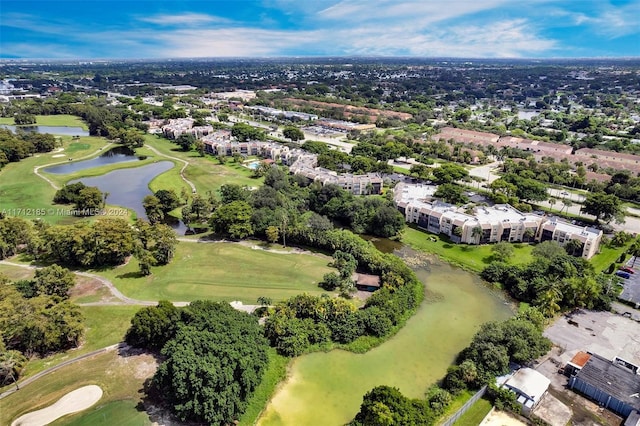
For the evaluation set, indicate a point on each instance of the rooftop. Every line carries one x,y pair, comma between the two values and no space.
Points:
613,379
529,382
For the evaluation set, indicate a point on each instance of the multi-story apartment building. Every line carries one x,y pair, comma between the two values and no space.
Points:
481,225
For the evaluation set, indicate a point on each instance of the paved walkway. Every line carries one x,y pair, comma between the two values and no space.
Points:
184,166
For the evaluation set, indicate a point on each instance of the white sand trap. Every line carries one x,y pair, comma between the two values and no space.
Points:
58,155
59,149
77,400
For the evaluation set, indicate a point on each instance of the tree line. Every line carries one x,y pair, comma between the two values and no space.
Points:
16,146
36,318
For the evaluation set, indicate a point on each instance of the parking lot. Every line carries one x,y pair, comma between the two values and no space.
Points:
631,285
603,333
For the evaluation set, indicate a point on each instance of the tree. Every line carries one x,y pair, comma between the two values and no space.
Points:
11,364
153,326
24,119
244,132
213,364
232,192
451,193
476,233
168,199
386,406
293,133
272,234
89,200
448,173
502,251
54,280
420,170
233,219
604,207
186,141
153,209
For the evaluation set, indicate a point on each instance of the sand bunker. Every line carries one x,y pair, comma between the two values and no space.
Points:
57,155
77,400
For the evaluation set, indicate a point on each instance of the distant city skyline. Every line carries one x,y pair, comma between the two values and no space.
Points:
119,29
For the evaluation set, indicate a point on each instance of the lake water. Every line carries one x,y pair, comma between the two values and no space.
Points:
119,154
127,187
54,130
327,388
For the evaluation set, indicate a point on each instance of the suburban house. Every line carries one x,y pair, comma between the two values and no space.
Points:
529,387
611,384
488,224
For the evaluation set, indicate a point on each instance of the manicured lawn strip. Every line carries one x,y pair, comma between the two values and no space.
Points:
224,272
457,402
475,413
21,189
275,373
104,326
607,256
471,257
121,413
116,378
52,120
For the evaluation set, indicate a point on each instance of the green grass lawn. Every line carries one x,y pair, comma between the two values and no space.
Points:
21,189
475,413
104,326
224,272
205,172
15,273
121,413
472,257
607,256
52,120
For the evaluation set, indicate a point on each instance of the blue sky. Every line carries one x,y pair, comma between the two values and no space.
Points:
266,28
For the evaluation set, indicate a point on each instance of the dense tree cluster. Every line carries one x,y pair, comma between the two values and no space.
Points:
553,281
304,321
39,324
51,280
86,199
214,357
15,147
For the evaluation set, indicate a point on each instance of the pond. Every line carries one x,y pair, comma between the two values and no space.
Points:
327,388
119,154
54,130
127,187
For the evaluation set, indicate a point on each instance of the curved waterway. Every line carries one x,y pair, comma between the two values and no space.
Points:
127,187
327,388
118,154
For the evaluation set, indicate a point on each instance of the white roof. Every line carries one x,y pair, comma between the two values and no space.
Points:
529,382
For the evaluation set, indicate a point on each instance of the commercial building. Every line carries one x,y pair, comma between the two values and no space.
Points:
611,384
488,224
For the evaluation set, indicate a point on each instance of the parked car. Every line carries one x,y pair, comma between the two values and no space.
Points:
623,274
627,269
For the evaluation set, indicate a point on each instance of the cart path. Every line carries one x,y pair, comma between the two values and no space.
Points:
184,166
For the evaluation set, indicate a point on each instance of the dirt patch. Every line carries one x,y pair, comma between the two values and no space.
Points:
141,364
89,289
500,418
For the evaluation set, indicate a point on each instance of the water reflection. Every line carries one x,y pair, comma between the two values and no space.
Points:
118,154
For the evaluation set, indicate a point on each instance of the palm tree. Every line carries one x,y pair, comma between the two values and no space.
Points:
634,250
476,233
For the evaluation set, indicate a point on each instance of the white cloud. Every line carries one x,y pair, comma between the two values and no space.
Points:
184,19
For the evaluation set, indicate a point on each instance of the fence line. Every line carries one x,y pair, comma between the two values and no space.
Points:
454,418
